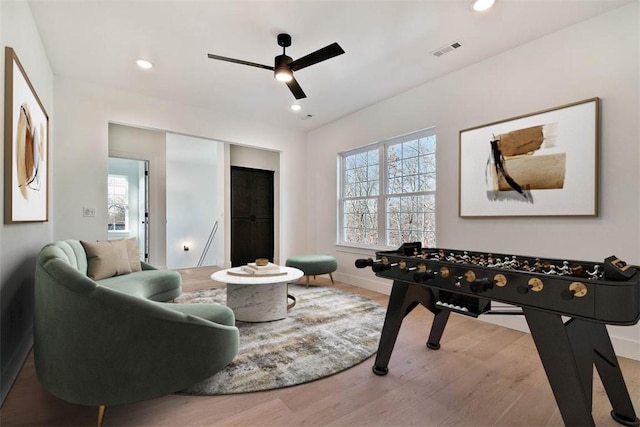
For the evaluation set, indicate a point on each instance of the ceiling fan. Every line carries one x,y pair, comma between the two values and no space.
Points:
285,66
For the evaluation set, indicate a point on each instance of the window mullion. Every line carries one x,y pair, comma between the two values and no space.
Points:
341,201
382,197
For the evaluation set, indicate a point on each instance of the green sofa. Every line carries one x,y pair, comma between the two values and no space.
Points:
113,341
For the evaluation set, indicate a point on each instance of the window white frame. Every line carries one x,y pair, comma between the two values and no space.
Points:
118,188
411,189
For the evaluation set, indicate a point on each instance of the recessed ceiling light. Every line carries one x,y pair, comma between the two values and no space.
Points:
143,63
481,5
296,107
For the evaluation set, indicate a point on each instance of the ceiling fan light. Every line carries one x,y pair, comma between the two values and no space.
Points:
481,5
281,69
284,75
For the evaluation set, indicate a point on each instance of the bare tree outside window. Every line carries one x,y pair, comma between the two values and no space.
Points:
410,196
117,203
388,192
361,189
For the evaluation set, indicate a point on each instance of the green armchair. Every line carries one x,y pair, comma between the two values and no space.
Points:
96,345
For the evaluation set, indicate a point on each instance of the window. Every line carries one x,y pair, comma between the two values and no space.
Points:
118,203
387,192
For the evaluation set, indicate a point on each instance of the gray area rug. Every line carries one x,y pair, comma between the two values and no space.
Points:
328,331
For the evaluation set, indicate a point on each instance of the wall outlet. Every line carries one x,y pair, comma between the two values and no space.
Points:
89,212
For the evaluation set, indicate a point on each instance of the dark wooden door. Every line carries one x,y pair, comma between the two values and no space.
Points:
251,215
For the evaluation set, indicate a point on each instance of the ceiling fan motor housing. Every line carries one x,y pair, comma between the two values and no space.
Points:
282,61
282,68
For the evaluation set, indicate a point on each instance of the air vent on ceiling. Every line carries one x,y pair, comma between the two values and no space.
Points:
446,48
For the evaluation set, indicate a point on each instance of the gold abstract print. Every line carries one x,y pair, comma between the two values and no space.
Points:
29,153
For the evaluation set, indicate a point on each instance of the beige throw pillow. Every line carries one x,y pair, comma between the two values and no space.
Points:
134,254
106,258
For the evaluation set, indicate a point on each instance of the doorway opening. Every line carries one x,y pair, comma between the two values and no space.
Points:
189,193
252,215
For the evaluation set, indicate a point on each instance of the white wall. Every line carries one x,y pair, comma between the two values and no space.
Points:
194,202
19,243
84,111
596,58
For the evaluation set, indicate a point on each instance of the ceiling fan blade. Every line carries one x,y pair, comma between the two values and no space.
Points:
319,55
295,88
239,61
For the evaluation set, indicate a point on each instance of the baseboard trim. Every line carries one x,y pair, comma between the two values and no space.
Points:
12,368
383,285
623,347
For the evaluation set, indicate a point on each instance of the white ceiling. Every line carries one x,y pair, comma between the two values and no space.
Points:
388,47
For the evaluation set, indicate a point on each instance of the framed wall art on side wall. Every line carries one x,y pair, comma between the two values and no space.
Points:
540,164
26,139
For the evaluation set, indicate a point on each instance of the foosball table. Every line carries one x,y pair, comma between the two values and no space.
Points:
588,295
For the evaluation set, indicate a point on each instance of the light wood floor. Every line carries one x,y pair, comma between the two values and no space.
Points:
483,375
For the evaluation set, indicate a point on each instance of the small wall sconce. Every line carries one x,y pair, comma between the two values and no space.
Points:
186,247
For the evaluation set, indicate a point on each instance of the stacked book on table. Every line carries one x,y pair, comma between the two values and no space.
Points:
268,269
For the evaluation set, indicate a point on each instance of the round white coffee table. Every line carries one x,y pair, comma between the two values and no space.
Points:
254,297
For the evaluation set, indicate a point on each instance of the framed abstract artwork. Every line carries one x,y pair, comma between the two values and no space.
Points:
26,139
541,164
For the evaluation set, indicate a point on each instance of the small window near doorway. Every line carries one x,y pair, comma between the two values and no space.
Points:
118,203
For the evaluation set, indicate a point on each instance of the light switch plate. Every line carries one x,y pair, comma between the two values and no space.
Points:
88,212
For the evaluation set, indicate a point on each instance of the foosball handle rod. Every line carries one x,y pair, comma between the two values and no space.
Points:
377,265
363,263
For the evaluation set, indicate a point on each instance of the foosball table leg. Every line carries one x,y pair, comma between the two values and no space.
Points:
608,368
568,352
437,329
403,299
